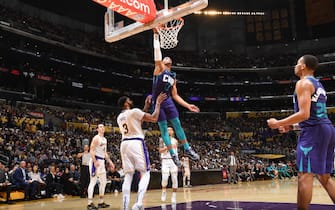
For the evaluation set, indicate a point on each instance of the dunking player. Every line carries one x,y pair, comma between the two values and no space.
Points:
168,166
134,153
165,81
98,151
315,148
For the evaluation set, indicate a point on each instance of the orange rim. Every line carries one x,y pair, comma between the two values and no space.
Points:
179,24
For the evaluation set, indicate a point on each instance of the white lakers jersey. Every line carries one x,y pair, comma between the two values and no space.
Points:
130,123
166,154
101,149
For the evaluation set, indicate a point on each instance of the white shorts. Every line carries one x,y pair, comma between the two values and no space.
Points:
100,170
168,166
187,172
134,155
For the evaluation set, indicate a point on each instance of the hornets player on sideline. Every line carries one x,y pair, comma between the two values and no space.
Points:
168,166
165,81
134,154
315,148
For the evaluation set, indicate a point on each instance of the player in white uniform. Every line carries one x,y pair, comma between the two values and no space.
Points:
168,166
98,151
134,153
185,162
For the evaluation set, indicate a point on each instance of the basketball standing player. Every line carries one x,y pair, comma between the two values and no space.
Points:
98,151
168,166
165,81
185,162
315,148
134,153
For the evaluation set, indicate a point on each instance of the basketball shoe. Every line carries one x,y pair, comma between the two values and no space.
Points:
176,160
192,154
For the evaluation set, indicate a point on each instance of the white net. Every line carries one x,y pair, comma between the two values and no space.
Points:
168,33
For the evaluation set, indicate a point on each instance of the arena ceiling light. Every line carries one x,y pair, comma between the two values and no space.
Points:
229,13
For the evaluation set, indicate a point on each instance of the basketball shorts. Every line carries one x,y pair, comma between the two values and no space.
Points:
134,155
99,170
315,149
168,110
168,166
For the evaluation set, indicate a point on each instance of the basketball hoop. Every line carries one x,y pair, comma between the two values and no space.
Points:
168,33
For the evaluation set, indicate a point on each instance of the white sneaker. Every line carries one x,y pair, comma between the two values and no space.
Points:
173,199
60,196
55,195
163,206
163,197
137,207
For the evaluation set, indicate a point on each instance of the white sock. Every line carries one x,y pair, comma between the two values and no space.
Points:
142,186
126,190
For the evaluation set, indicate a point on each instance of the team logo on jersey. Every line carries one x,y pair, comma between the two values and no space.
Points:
168,79
319,92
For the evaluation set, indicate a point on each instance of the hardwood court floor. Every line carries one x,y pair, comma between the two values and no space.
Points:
259,191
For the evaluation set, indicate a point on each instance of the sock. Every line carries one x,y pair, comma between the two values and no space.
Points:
142,186
126,189
186,146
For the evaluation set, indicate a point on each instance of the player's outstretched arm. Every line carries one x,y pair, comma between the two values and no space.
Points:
181,101
154,116
159,67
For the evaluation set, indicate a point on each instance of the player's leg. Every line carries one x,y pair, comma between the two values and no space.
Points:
90,189
325,179
128,178
129,169
188,177
165,178
182,138
174,179
305,190
329,184
142,189
102,186
308,164
142,164
163,127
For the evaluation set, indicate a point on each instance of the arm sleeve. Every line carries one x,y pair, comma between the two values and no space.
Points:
157,49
